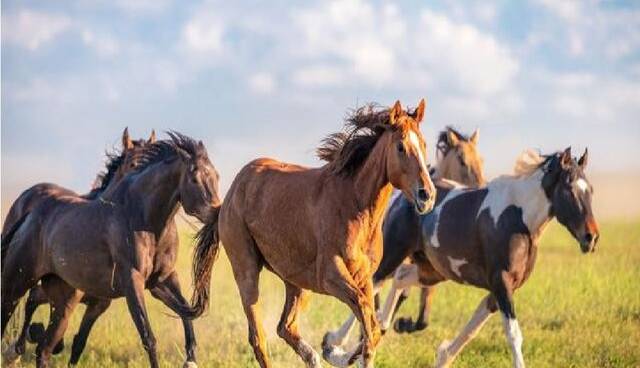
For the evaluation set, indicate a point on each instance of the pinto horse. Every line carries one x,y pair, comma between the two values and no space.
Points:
118,165
319,229
112,247
488,237
458,159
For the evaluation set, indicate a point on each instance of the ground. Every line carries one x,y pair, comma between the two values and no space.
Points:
576,311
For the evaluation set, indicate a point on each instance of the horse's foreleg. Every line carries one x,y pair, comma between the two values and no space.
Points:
405,276
406,324
95,308
288,325
169,292
134,291
504,297
447,351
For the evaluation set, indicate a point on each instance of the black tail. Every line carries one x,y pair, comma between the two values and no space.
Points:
6,239
204,256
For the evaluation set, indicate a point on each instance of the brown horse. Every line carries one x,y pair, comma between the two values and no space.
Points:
118,165
458,158
111,247
319,229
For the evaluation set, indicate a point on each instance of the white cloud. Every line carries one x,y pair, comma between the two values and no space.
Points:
204,34
460,53
104,45
262,83
319,76
31,29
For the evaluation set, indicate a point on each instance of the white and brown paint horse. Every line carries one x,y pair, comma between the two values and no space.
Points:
488,237
459,160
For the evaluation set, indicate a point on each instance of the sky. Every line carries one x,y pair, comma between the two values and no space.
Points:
272,78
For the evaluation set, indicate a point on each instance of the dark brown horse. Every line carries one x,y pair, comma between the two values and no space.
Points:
118,165
458,158
319,229
112,247
488,237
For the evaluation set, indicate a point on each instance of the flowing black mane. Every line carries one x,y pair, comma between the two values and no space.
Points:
345,151
168,149
114,161
443,145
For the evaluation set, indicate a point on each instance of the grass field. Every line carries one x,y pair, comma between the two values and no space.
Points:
575,311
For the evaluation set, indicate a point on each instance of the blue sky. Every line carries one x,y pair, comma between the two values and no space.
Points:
272,78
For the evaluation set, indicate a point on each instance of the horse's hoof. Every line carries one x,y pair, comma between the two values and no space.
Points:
403,325
190,365
10,356
443,359
58,348
35,333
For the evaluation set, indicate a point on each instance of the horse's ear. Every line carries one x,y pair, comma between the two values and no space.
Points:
126,140
152,137
475,136
565,158
418,115
452,138
395,113
584,159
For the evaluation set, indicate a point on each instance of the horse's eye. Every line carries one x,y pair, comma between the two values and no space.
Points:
400,147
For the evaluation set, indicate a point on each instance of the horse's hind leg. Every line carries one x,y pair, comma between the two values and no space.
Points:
288,326
167,289
447,351
95,308
36,298
63,299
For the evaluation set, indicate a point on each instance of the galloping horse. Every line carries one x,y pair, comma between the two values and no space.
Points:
118,165
488,237
319,229
458,159
112,247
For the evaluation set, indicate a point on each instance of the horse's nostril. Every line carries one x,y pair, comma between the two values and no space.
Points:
588,237
423,195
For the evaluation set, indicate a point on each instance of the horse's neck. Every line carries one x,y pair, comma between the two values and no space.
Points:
371,184
524,192
153,193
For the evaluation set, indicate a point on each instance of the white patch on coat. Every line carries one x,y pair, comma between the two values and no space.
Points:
433,239
456,264
415,141
524,192
582,184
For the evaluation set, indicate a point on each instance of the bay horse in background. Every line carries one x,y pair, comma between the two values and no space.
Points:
488,237
458,159
118,164
319,229
112,247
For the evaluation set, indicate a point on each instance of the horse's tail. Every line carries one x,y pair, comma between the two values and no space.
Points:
204,256
6,238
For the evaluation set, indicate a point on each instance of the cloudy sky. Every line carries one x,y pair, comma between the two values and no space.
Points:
272,78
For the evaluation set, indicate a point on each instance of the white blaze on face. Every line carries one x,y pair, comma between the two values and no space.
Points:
415,142
582,184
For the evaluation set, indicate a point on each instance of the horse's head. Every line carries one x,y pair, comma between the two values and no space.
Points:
198,186
130,148
570,193
460,160
406,159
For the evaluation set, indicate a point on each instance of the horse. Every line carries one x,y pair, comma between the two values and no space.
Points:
458,159
112,247
118,164
319,229
488,237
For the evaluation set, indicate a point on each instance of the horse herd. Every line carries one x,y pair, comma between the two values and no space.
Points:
339,230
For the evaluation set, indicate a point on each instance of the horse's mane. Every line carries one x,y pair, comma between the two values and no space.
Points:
168,149
113,162
443,145
529,161
347,150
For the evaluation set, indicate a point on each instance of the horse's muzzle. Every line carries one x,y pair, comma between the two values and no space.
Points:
588,242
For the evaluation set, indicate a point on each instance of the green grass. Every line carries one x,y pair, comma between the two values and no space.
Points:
575,311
